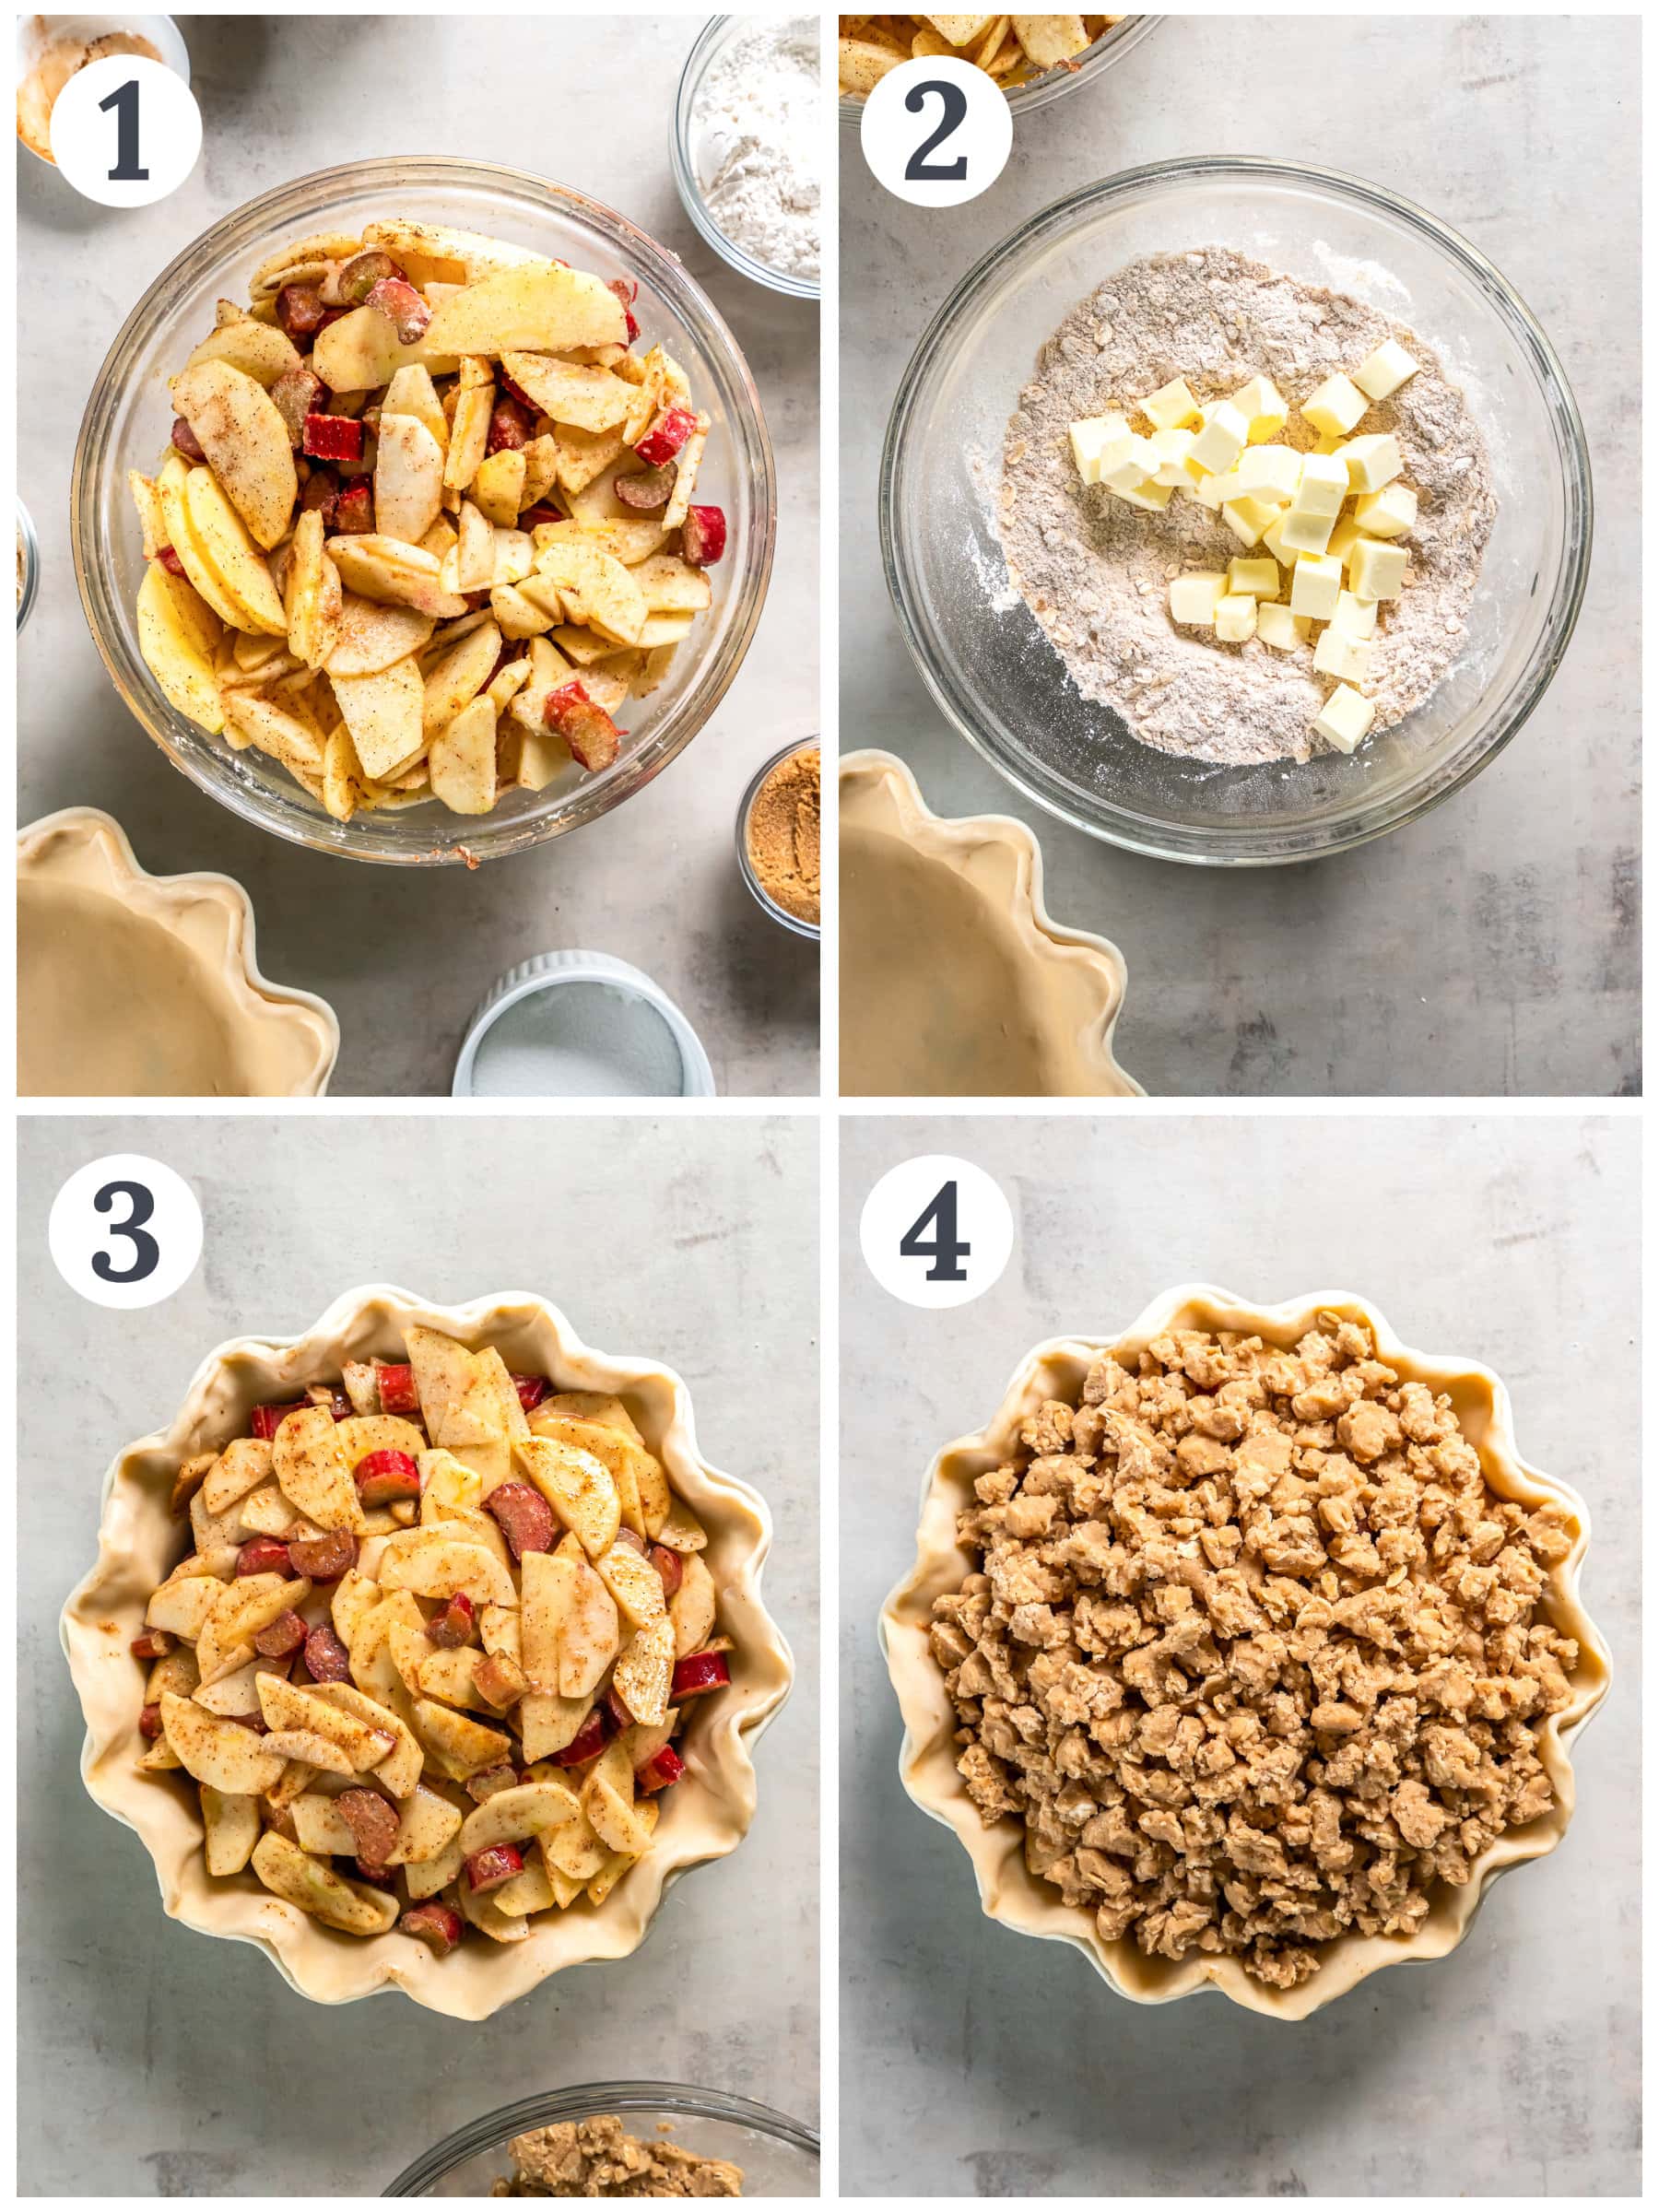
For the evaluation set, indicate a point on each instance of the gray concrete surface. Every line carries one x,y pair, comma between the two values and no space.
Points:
158,2063
656,880
1493,947
977,2062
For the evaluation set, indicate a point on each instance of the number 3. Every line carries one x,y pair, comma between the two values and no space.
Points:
146,1253
953,103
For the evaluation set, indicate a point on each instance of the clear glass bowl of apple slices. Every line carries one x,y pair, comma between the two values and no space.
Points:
129,419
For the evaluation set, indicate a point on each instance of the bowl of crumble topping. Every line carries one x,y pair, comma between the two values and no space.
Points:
1244,1650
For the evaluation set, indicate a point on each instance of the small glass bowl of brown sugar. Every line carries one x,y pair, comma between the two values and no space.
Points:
778,836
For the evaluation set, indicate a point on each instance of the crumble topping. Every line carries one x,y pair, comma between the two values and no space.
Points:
599,2157
1254,1652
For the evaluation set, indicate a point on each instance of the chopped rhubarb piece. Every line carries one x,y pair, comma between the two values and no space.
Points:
488,1868
587,1742
491,1782
397,1392
510,427
371,1819
324,1558
516,392
376,1876
667,1564
664,1766
440,1925
593,737
665,436
185,439
703,536
323,492
701,1672
531,1390
280,1638
357,277
628,292
533,516
332,438
354,512
254,1721
525,1517
296,394
500,1681
267,1419
382,1476
648,491
301,312
453,1626
149,1723
337,1403
264,1555
170,561
633,1538
155,1643
396,299
326,1656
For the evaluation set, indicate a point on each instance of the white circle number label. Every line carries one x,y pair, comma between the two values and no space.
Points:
937,1231
125,131
126,1231
937,132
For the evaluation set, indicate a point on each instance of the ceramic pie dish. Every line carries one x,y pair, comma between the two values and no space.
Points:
708,1812
956,981
1009,1893
133,985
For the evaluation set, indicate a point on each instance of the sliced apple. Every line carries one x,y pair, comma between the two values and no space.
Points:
448,1677
441,254
577,1485
299,1879
231,1827
595,588
455,679
497,485
382,712
239,1468
412,393
547,1723
637,1473
246,442
399,1772
409,479
588,399
671,586
223,541
447,1484
258,349
355,1597
533,307
468,1745
275,731
432,1565
590,1636
381,568
443,1370
425,1878
314,1471
430,1824
177,647
221,1753
183,1604
363,351
645,1671
463,760
692,1606
548,1585
373,635
320,1829
607,1802
283,1706
634,1583
573,1849
530,1891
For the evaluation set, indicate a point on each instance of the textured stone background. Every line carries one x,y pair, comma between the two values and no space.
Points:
977,2062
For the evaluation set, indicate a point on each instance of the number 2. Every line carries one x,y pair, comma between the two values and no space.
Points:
948,1250
146,1253
953,103
124,101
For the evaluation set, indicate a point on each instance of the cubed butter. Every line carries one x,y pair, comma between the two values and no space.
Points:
1235,618
1279,626
1385,370
1272,538
1260,579
1315,586
1174,450
1372,461
1389,513
1270,472
1334,406
1345,718
1172,406
1338,655
1247,519
1376,570
1127,462
1263,408
1194,597
1302,533
1344,538
1222,438
1090,441
1154,497
1208,490
1323,486
1357,617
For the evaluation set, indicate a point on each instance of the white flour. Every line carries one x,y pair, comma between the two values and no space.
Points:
758,122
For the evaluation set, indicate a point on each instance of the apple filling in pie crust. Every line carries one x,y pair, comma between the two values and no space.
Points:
1253,1649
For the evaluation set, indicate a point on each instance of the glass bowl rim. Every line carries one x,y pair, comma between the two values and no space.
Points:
768,905
494,2130
31,563
1573,568
1113,43
684,171
285,819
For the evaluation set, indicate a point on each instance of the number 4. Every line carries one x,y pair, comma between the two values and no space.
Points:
946,1250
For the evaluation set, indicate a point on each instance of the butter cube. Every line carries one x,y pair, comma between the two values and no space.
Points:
1344,538
1272,538
1305,532
1222,438
1236,618
1384,370
1174,449
1323,486
1126,463
1371,462
1338,655
1389,513
1172,406
1355,616
1194,597
1247,519
1315,586
1260,404
1345,718
1376,570
1217,490
1335,407
1270,472
1260,579
1278,627
1091,438
1148,493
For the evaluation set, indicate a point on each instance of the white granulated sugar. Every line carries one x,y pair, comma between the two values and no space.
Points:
758,123
1095,572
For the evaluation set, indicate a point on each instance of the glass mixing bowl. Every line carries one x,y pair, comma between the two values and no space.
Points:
684,148
128,419
978,646
1109,47
778,2157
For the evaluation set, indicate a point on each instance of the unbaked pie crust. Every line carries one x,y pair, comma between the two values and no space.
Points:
927,1758
956,982
706,1814
133,985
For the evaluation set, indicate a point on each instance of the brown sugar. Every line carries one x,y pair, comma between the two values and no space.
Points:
782,834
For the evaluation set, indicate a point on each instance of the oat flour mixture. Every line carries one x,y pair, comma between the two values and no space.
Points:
1095,572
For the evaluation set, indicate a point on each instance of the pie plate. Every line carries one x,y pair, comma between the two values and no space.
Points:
956,982
927,1767
705,1816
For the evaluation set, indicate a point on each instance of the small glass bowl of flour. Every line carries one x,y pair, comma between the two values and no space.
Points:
747,141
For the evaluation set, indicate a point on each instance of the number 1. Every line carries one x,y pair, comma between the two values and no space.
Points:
124,101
